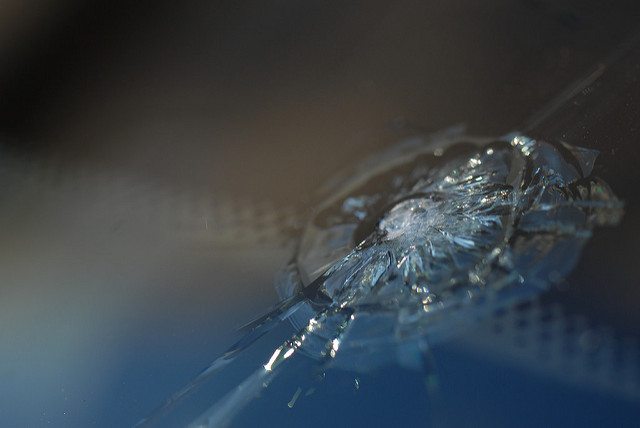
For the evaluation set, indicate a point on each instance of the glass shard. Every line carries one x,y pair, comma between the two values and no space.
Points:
423,234
413,245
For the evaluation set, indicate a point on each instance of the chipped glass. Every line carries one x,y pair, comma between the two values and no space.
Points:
417,242
427,235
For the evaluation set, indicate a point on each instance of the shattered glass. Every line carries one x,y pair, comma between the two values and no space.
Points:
459,226
415,244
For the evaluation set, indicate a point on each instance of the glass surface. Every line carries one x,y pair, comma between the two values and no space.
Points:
442,199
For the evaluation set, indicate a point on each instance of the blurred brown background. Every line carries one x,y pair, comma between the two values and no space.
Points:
217,94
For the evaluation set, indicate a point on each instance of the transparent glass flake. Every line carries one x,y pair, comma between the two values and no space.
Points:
426,237
410,247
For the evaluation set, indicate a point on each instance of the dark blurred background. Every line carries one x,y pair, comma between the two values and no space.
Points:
221,93
240,100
